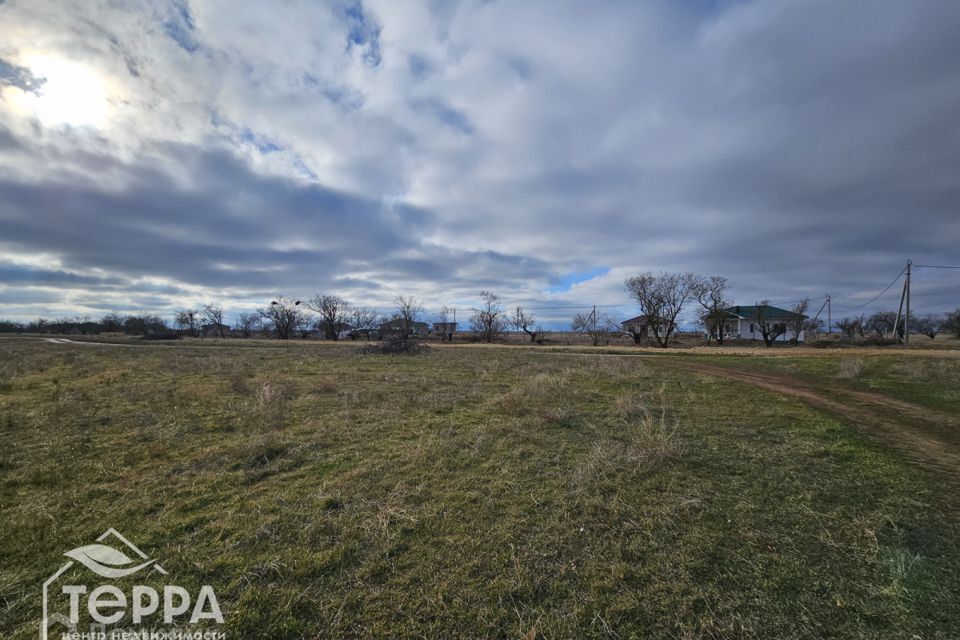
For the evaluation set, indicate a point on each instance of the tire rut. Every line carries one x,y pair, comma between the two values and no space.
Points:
925,436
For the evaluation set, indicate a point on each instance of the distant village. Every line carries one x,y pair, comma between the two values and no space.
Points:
662,299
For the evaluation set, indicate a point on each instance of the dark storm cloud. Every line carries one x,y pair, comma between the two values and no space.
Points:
231,234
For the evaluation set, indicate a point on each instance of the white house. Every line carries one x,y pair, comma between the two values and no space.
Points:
639,327
748,323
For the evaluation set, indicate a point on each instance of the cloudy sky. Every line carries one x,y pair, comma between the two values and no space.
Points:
157,154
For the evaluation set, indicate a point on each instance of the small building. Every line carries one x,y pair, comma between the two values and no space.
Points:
639,327
445,330
747,322
399,326
215,330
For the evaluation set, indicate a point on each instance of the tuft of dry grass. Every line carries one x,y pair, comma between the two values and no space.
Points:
271,404
850,368
645,437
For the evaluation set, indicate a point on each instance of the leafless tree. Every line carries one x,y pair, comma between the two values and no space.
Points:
930,325
770,328
213,314
364,321
113,321
186,320
882,323
407,310
662,297
488,320
445,323
333,312
847,326
285,316
596,325
711,293
444,314
247,323
951,323
799,322
525,322
144,325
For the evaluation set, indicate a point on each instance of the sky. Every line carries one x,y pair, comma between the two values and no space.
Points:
156,155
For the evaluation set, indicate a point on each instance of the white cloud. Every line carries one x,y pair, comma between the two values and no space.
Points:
777,143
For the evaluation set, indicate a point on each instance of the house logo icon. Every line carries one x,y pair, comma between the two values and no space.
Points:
113,557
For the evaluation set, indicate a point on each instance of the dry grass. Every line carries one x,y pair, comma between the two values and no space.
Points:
470,492
850,368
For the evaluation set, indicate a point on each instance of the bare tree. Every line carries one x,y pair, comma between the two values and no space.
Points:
882,323
333,311
951,323
364,321
488,320
798,323
444,323
186,320
144,325
930,325
525,322
408,309
213,314
113,321
711,293
662,297
247,323
770,327
285,316
847,326
596,325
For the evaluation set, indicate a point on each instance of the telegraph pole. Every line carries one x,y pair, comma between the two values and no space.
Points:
829,317
906,321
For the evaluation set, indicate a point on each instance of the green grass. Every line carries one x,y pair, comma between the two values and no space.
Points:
467,493
932,382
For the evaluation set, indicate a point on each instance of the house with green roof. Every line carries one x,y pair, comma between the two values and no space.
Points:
752,321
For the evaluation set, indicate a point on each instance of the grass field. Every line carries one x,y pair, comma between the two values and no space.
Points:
495,492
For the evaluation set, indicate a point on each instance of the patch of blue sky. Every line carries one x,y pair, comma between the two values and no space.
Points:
567,281
180,28
445,114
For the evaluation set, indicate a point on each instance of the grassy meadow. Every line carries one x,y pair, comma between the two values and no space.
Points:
481,492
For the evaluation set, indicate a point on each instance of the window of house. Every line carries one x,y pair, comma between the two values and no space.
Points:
751,328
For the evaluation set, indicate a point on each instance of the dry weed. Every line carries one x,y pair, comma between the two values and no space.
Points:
850,368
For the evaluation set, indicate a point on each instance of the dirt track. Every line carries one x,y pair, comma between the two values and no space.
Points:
924,435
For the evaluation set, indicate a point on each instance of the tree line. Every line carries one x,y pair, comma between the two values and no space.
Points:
662,299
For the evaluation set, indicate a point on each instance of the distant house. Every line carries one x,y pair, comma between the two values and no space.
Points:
746,322
344,330
215,330
445,330
639,327
398,326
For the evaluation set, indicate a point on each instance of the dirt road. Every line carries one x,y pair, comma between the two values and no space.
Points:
924,435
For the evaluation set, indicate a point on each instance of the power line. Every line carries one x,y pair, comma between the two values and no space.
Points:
772,304
874,298
935,266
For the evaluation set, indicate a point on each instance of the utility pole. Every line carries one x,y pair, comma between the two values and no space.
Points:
829,317
906,321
